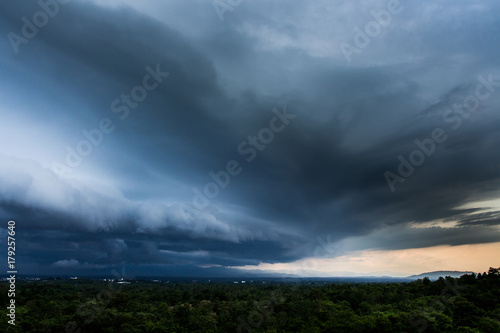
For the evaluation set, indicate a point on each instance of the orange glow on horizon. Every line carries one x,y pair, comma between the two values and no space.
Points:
475,257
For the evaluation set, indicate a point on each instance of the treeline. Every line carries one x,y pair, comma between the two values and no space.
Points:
470,303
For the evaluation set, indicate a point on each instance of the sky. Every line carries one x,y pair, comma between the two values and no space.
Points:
222,138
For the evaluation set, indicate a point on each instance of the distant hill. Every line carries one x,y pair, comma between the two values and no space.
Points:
435,275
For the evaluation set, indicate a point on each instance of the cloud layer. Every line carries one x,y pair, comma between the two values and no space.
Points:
391,148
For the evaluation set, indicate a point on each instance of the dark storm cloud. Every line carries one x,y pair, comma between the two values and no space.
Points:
128,202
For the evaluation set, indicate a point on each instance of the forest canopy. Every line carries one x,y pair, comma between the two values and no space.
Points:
466,304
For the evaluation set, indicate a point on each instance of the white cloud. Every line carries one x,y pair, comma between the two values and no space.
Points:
66,263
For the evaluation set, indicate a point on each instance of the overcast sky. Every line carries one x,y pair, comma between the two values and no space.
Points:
208,138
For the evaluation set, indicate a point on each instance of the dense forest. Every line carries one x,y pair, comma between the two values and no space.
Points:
470,303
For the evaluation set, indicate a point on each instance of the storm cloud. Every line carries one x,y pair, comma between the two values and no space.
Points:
162,137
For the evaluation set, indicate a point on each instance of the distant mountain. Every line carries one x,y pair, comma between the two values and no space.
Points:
435,275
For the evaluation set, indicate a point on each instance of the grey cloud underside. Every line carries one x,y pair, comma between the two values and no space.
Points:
323,175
